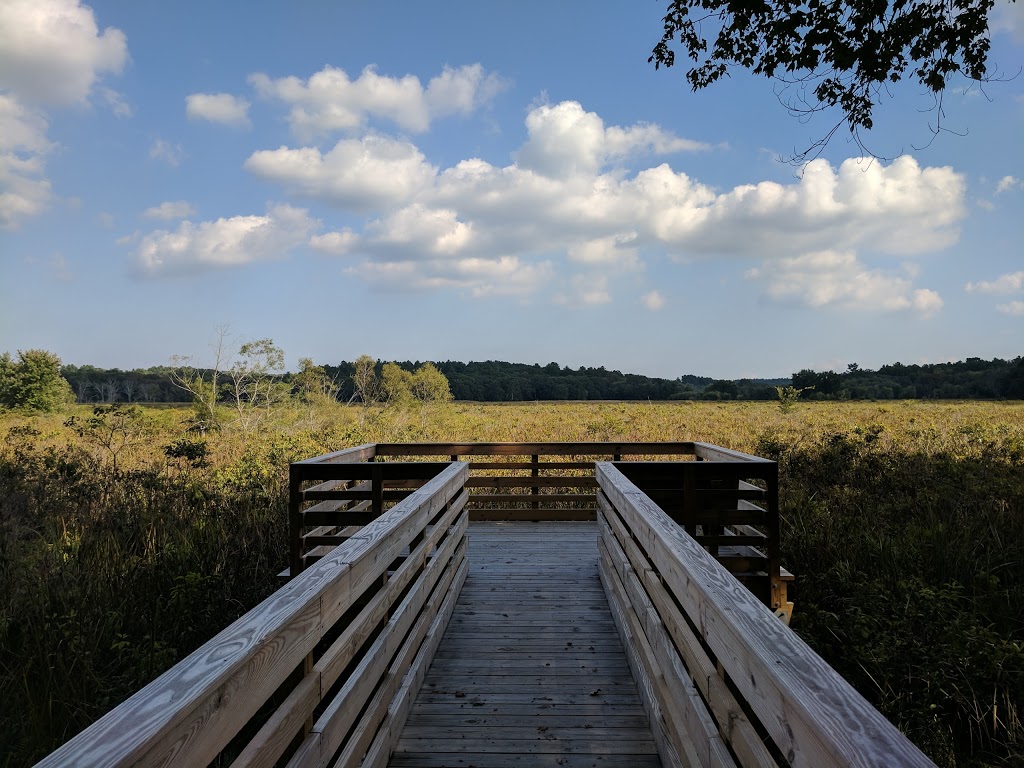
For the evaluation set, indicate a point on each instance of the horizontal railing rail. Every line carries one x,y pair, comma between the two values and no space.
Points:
711,493
724,682
320,673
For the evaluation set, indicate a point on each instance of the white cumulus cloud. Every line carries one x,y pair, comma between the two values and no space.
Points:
218,108
1011,282
24,191
334,243
170,210
566,140
360,174
1012,308
839,279
653,301
570,200
330,101
52,52
1008,183
225,242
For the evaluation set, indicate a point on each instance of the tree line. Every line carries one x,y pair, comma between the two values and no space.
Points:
254,373
970,379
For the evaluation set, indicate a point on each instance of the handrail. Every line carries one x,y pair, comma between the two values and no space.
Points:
715,668
382,598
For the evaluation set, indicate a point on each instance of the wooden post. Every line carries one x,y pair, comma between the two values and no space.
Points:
535,473
294,521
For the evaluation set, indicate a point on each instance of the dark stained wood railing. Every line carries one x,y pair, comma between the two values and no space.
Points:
727,499
724,682
327,666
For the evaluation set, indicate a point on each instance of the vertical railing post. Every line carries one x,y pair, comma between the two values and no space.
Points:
294,521
535,473
772,522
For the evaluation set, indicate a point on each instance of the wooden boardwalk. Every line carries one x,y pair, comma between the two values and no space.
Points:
531,671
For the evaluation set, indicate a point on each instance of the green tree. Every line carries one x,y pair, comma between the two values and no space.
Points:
429,385
395,384
33,382
312,384
832,54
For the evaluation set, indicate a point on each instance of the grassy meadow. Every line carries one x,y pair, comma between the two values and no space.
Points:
126,541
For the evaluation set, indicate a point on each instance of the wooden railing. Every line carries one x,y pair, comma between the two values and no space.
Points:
727,499
724,682
323,671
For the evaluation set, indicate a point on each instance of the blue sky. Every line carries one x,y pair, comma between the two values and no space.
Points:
474,181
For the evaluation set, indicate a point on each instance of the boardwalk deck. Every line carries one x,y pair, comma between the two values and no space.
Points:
531,671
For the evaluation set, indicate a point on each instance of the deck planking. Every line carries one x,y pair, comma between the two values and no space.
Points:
531,671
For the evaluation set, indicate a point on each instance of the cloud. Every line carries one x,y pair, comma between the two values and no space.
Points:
653,301
230,242
566,140
115,101
171,154
503,276
585,291
1012,282
334,243
1009,18
838,279
359,174
52,52
24,191
569,199
611,251
1008,183
1013,308
330,101
170,210
218,108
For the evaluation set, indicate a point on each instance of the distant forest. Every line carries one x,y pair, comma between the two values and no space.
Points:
495,381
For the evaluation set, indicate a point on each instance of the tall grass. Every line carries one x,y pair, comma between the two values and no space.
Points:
904,523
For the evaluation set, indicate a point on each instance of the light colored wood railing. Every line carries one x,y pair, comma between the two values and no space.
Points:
724,682
323,672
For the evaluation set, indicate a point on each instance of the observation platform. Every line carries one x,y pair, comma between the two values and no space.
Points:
571,604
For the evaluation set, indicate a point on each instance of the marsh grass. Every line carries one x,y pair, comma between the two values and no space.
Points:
904,522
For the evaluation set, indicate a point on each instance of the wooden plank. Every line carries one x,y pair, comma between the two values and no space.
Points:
364,452
269,744
814,716
643,666
541,449
527,515
342,710
523,498
389,471
492,760
731,720
688,729
542,465
531,482
710,452
554,657
393,722
192,710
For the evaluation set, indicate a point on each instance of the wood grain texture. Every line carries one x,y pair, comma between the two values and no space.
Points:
814,716
727,712
530,665
188,714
